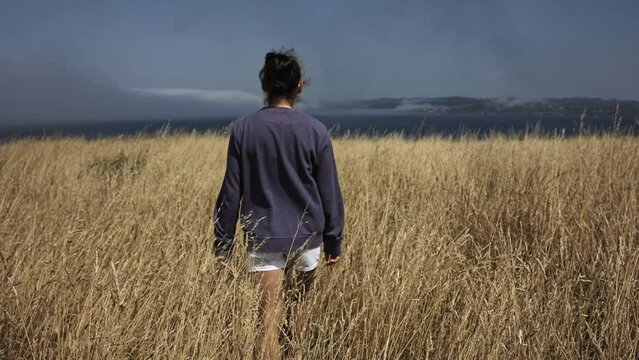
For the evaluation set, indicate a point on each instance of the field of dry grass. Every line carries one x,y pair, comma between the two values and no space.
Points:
498,248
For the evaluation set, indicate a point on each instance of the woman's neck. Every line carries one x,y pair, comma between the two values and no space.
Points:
281,103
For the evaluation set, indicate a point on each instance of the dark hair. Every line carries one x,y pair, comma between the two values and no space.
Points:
280,75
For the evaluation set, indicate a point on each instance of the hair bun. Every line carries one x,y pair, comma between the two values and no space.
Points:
281,74
270,56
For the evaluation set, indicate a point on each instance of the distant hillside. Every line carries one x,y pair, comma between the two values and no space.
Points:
511,105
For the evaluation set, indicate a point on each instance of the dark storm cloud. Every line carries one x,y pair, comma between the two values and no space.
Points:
73,59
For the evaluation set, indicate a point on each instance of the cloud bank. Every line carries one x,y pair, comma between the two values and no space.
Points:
42,92
229,97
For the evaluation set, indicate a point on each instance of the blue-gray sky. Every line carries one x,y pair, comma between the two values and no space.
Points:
133,59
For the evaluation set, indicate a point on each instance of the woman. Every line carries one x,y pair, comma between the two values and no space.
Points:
281,169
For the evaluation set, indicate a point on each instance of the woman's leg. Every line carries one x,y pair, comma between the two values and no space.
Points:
297,315
270,314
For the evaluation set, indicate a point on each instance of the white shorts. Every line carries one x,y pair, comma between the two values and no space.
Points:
305,260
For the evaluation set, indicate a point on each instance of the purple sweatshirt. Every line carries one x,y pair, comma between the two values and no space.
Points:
282,180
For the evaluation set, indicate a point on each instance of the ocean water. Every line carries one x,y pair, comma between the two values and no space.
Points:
410,125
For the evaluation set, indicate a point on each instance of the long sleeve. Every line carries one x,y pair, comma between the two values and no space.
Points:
331,198
228,201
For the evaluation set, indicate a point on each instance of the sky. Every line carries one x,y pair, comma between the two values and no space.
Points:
102,60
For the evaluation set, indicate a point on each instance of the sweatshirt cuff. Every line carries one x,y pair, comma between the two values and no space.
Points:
333,248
